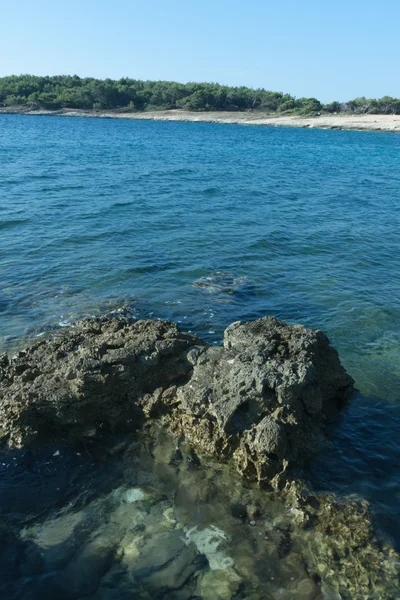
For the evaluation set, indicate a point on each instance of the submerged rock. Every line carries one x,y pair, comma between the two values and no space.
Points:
18,558
83,574
208,542
219,585
223,287
340,546
136,541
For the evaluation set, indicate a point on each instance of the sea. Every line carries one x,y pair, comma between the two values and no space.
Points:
205,224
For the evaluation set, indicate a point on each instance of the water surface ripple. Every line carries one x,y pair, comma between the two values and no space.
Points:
206,224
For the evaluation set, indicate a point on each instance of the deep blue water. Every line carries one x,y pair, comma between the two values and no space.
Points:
301,224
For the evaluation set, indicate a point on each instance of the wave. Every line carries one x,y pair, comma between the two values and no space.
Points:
117,206
61,188
85,238
13,223
211,191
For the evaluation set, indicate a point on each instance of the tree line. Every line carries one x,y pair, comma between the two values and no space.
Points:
66,91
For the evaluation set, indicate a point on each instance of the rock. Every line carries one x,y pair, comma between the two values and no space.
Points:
220,585
340,546
223,286
155,552
261,400
174,574
102,371
308,590
58,539
162,562
208,542
83,574
4,362
264,398
18,558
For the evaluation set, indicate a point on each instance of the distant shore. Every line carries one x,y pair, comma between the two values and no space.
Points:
387,123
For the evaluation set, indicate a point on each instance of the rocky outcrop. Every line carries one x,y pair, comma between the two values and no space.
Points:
94,374
262,399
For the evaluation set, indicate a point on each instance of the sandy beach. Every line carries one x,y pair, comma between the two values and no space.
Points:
388,123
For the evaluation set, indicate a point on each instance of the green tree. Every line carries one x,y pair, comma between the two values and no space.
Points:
333,107
72,91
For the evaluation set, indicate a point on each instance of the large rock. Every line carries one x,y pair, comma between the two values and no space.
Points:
264,398
95,373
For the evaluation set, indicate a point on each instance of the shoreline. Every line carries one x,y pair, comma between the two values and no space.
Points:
381,123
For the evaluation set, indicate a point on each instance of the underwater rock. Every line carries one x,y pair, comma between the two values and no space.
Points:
20,562
264,398
131,542
58,539
220,585
83,574
165,561
340,546
223,287
94,373
18,557
208,542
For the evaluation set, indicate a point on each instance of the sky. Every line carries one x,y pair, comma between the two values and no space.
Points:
331,50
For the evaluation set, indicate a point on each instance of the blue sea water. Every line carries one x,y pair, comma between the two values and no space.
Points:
206,224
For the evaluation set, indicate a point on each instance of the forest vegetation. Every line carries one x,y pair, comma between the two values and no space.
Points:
66,91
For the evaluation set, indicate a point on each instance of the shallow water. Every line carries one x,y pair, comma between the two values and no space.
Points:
207,224
151,520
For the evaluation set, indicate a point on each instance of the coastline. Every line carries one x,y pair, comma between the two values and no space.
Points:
382,123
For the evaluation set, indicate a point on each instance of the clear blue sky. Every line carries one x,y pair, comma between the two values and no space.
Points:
334,50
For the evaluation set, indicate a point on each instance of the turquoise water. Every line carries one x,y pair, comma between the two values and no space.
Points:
207,224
